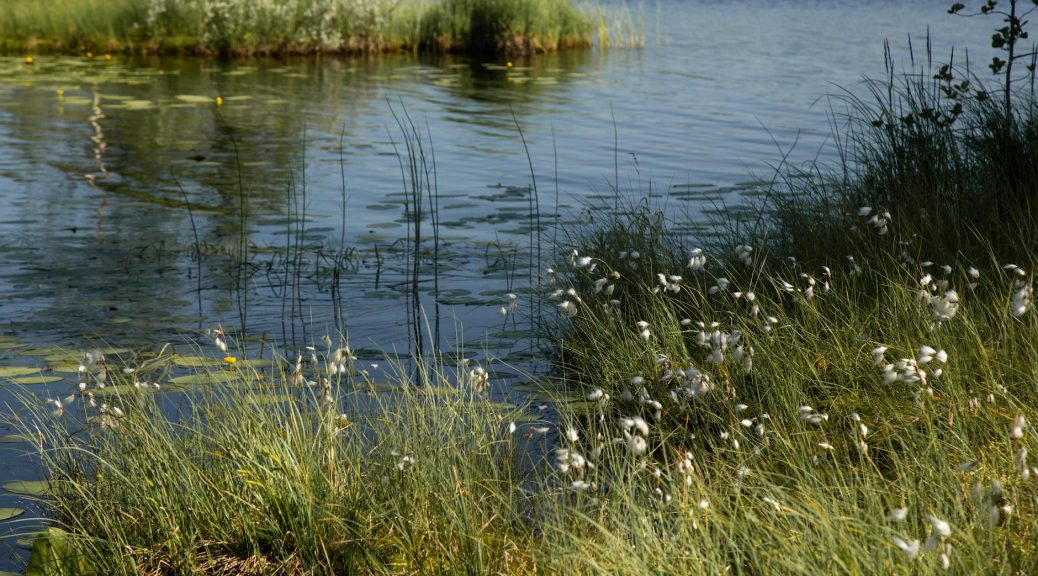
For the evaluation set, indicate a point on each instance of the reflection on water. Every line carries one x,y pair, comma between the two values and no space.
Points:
126,181
143,195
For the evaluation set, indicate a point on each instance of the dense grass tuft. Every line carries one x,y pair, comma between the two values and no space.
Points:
956,175
264,474
303,26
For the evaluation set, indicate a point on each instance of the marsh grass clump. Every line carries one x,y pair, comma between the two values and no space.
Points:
932,153
834,389
296,471
237,27
506,26
772,416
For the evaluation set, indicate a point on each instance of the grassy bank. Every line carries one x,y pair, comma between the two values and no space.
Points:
298,471
845,386
850,377
298,26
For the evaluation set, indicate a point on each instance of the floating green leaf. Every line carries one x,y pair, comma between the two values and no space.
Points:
28,487
195,99
50,351
195,361
36,379
208,378
64,358
139,104
8,513
12,371
122,389
256,364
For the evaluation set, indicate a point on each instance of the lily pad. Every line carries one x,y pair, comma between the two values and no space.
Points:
122,389
256,364
50,351
36,379
196,361
8,513
195,99
113,350
139,104
28,487
207,378
64,358
12,371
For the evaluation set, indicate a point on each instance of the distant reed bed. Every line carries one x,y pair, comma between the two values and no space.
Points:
240,27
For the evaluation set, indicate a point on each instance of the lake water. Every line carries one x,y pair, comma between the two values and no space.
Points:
101,160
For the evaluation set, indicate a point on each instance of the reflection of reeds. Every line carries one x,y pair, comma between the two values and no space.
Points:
341,254
197,255
417,173
534,222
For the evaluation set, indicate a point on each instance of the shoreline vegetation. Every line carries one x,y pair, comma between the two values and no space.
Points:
295,27
844,386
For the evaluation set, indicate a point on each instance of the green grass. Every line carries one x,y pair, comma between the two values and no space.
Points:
808,414
304,26
958,178
791,491
830,487
264,475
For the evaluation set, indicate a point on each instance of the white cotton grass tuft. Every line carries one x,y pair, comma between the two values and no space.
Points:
808,415
1022,296
635,423
568,307
940,527
878,219
909,547
637,445
745,254
1017,430
696,260
945,305
878,354
643,330
926,354
897,515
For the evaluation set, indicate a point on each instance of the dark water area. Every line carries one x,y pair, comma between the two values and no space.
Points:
135,209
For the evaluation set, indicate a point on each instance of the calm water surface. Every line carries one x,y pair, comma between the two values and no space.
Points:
101,160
